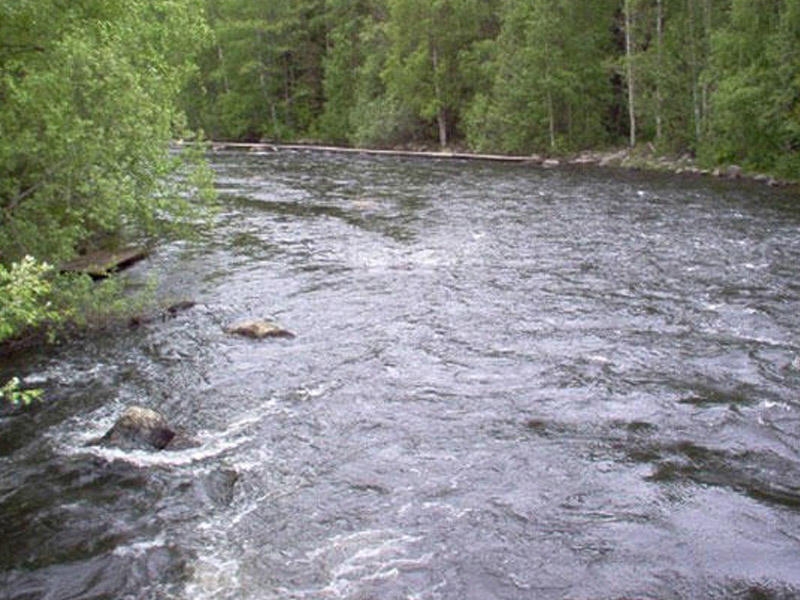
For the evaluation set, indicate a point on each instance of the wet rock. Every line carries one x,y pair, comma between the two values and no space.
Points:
551,163
182,441
171,311
180,306
614,158
217,487
733,172
258,329
139,428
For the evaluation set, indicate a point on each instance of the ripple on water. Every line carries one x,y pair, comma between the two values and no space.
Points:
506,383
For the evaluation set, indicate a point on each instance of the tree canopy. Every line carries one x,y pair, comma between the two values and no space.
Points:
716,78
88,108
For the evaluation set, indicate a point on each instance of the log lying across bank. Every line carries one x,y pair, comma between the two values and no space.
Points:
267,147
102,263
621,158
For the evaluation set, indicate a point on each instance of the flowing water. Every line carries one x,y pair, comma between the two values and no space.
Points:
507,382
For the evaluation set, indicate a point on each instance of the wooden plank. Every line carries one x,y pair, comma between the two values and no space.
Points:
102,263
266,147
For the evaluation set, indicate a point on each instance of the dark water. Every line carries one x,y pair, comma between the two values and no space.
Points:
506,383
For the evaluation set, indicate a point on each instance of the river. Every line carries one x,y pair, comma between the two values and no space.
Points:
508,382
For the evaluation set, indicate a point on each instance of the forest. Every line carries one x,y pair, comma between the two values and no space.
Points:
717,79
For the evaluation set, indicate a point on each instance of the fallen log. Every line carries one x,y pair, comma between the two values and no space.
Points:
102,263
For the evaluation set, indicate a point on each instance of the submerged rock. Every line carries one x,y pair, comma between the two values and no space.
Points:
139,427
171,311
180,306
217,487
258,329
144,428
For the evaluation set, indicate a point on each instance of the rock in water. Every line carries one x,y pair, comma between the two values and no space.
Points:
259,329
139,427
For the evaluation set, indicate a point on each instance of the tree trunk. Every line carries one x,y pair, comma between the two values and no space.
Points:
630,73
660,66
441,117
225,84
706,92
551,119
696,109
441,114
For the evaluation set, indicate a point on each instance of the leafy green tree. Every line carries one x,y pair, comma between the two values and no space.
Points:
87,112
344,56
551,86
377,118
262,77
26,289
717,78
424,71
755,66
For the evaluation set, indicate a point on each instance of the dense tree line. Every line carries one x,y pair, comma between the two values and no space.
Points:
717,78
88,107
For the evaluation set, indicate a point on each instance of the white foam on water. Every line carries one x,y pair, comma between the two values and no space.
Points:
210,443
771,404
141,547
358,559
213,576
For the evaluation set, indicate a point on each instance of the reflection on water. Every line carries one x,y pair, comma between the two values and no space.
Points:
506,383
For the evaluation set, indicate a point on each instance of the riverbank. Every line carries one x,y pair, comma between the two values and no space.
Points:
625,158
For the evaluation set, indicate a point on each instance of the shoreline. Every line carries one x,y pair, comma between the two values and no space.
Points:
625,158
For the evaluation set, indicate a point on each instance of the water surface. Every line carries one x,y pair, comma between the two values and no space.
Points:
507,382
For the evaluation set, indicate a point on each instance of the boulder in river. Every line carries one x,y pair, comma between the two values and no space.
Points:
173,310
144,428
258,329
733,172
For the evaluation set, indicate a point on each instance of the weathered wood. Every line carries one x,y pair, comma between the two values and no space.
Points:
102,263
266,147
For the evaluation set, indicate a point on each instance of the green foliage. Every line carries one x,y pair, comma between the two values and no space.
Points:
13,393
718,78
427,64
345,54
549,89
26,289
755,62
262,75
87,109
376,118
